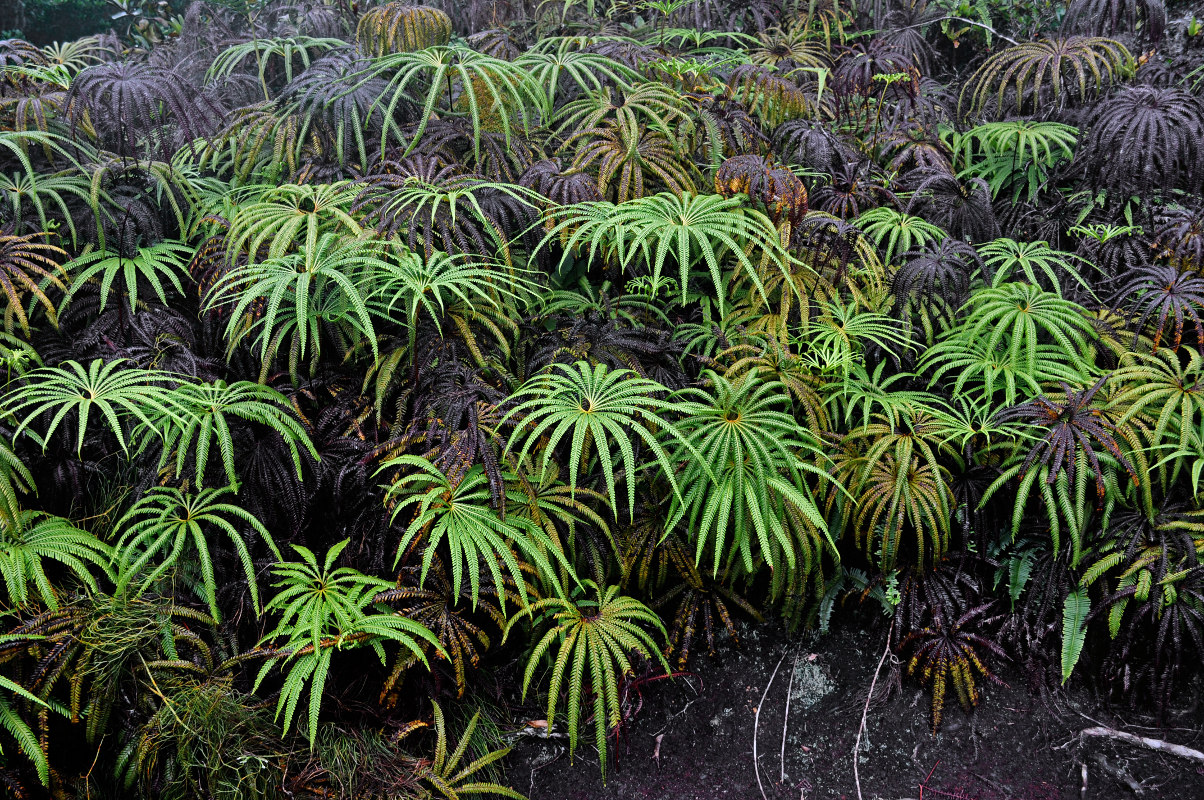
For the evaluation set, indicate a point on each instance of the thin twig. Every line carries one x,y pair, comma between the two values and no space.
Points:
986,28
990,783
866,710
1142,741
88,776
684,708
786,722
531,786
928,777
756,719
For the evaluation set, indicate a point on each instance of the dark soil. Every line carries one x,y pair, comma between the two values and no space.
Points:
692,738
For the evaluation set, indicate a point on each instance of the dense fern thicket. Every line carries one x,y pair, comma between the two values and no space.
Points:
367,368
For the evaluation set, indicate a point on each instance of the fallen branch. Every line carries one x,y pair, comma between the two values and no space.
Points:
1119,775
865,711
757,719
965,21
1143,741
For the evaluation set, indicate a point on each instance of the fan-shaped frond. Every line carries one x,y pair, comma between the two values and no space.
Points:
30,539
153,265
747,487
168,524
603,410
1061,70
399,27
131,402
327,283
652,232
28,267
455,519
596,635
322,609
1143,139
211,408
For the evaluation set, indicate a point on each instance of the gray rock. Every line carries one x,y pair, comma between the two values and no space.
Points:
811,684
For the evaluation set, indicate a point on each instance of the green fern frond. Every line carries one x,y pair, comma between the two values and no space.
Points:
131,402
457,516
895,233
212,406
165,521
29,539
654,232
323,609
603,410
1075,609
747,487
593,638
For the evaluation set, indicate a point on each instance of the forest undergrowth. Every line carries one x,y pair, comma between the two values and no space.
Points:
369,366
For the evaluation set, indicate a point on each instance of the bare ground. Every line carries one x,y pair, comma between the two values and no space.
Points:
693,738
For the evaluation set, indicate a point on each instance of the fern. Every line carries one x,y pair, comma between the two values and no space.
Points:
775,97
646,106
602,409
836,339
447,777
399,27
257,139
29,539
211,407
15,478
323,609
595,635
333,108
1018,567
1074,67
1015,154
118,395
264,50
443,288
564,68
123,101
1165,302
53,146
40,202
562,512
948,651
1163,393
629,159
28,266
1004,259
284,219
892,467
134,202
969,364
30,744
703,230
1143,140
1013,317
895,233
491,91
1075,610
165,261
323,283
165,522
745,487
457,514
440,208
1076,445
